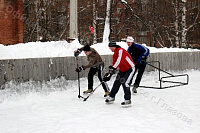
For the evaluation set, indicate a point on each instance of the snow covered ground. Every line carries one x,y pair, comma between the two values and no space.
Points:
63,49
54,106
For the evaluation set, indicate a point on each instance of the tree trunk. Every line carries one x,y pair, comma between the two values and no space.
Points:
107,23
37,19
183,23
176,25
94,22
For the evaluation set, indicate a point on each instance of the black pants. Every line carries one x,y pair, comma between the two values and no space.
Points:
139,68
123,78
91,74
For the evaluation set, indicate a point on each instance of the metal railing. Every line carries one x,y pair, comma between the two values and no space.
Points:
161,81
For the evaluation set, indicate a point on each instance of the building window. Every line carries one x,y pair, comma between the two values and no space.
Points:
192,4
101,2
101,30
192,29
142,33
127,31
119,10
112,39
111,30
143,39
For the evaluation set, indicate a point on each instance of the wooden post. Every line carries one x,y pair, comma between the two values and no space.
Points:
73,19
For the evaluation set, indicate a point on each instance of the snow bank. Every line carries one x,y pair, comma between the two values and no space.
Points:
62,49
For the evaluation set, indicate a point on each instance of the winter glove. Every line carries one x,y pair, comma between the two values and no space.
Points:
77,52
111,70
107,77
143,60
79,69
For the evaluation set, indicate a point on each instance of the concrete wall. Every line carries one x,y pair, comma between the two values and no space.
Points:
40,69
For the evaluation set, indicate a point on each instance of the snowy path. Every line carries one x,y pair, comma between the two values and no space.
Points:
173,110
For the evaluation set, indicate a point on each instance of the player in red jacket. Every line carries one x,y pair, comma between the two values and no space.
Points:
123,61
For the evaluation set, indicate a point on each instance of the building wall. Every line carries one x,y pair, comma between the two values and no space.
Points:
11,22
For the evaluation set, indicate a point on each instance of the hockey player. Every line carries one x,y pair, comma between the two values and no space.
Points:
96,64
139,54
123,61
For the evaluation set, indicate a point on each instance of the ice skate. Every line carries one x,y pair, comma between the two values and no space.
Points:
134,90
88,91
106,94
110,100
126,103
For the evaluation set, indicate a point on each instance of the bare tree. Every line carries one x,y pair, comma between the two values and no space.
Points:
45,20
172,27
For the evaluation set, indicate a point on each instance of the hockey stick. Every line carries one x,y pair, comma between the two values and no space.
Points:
79,89
91,93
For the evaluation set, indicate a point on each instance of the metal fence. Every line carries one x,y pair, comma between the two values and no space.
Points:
44,69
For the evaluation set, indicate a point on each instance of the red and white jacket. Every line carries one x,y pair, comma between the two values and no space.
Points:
122,59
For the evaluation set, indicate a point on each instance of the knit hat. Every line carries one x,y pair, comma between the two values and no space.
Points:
86,48
112,44
129,39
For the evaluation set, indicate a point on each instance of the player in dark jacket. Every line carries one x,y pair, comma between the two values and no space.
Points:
139,54
95,64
